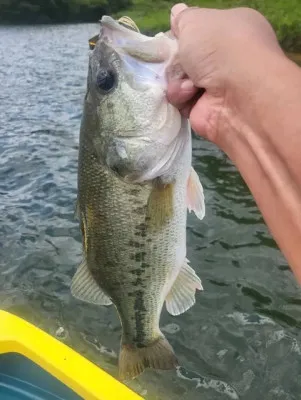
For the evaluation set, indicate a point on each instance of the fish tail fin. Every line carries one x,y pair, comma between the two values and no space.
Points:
134,360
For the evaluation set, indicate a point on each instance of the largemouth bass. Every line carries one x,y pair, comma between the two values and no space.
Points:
135,184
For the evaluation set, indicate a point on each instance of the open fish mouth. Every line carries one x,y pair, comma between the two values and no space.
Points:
123,24
124,34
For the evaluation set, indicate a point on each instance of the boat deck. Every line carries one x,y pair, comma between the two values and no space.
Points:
36,366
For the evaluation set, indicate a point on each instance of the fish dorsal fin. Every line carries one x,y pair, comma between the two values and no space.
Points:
85,288
182,294
195,195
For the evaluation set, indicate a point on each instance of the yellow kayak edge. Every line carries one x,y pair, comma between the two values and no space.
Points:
82,376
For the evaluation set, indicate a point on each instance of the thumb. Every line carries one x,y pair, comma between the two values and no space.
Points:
204,116
174,17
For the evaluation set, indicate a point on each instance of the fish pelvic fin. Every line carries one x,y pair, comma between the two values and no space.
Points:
85,288
134,360
182,294
195,195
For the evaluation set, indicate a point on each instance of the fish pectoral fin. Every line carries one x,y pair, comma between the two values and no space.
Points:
85,288
160,206
182,294
195,195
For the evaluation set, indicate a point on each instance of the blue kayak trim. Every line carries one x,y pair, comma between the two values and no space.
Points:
22,379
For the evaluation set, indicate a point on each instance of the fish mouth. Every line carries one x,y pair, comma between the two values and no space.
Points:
144,58
125,37
118,33
124,24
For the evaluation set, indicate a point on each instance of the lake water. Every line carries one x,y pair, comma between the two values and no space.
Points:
242,338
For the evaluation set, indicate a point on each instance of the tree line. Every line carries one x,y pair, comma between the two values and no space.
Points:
58,11
150,16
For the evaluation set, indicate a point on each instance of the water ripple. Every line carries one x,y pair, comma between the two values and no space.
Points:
242,337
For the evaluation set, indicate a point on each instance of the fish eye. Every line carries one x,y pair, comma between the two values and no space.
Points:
106,80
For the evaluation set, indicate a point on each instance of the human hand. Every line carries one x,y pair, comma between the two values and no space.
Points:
224,54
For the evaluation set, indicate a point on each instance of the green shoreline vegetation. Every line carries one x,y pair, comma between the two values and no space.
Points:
284,15
150,16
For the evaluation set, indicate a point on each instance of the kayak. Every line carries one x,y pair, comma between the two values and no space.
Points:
35,365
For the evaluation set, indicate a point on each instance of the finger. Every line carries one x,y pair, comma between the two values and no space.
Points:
178,17
179,92
189,106
204,117
185,111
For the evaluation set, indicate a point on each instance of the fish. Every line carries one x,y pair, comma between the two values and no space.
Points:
135,185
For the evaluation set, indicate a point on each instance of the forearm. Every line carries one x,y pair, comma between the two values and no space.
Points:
265,145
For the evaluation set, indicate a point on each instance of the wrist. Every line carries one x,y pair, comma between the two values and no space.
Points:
261,99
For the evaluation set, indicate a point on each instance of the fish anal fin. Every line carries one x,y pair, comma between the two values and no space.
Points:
182,294
195,195
134,360
85,288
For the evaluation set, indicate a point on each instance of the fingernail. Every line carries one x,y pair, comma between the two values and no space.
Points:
187,85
